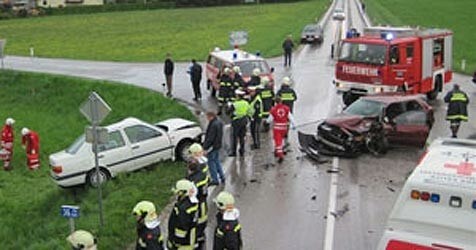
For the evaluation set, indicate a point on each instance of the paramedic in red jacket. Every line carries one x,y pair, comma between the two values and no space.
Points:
31,142
6,151
280,115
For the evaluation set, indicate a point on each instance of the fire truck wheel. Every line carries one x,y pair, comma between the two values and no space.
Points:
434,93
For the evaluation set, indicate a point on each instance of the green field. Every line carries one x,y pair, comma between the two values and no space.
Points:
455,15
30,201
148,35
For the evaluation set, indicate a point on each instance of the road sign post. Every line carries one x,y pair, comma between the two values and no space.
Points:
70,213
95,109
2,47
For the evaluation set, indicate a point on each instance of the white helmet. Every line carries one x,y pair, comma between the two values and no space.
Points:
81,239
256,72
25,131
264,80
226,71
240,92
286,81
9,121
237,69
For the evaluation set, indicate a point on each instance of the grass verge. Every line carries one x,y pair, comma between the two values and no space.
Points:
148,35
454,15
30,201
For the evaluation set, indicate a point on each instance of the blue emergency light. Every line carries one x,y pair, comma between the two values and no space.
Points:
235,55
474,204
435,198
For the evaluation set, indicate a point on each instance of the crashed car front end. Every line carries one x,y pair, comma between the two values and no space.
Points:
342,138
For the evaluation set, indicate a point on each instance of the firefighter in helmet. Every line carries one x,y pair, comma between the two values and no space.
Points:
228,229
257,112
31,143
287,94
148,227
255,79
6,147
201,181
225,91
182,225
457,109
267,96
238,82
82,240
240,110
196,151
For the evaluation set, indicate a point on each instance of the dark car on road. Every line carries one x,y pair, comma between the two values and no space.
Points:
312,33
407,120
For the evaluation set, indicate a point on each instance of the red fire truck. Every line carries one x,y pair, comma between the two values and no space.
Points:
390,59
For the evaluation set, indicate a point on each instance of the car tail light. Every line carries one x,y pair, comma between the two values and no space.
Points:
425,196
57,169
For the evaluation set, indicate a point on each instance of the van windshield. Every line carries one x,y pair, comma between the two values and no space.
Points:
248,66
363,53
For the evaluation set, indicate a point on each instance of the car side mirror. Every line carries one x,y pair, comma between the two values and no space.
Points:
272,69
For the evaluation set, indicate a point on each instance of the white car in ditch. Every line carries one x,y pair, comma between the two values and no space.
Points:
131,144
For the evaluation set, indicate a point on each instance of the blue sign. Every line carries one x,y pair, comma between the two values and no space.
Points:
68,211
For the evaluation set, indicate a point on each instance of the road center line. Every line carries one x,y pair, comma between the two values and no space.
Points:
329,236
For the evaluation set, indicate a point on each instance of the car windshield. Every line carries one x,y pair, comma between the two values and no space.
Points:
365,108
248,66
363,53
76,145
311,28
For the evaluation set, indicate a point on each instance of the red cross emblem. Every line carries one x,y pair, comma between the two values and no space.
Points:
464,168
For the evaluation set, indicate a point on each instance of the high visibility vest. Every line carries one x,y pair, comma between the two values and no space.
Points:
288,96
257,99
266,93
242,109
457,96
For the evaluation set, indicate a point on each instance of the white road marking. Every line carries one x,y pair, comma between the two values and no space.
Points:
329,236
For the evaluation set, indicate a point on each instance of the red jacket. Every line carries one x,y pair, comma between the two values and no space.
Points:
32,142
7,134
280,114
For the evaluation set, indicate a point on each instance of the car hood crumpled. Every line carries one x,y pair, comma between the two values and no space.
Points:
348,122
175,124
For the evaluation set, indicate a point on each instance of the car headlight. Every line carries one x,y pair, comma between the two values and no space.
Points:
378,89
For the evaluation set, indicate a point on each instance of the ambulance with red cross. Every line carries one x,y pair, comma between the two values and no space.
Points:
436,209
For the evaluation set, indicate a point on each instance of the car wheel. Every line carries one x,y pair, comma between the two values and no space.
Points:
181,151
94,179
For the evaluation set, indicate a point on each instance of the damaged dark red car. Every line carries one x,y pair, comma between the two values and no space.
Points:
405,120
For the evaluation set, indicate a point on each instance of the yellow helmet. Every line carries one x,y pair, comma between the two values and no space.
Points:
195,148
225,200
184,187
81,239
286,80
264,80
145,209
236,69
226,70
256,72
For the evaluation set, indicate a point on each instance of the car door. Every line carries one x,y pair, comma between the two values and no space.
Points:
114,154
411,127
148,144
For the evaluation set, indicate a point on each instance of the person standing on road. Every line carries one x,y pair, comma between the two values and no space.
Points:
169,72
257,114
212,144
281,116
267,97
287,94
149,236
195,72
201,180
288,46
7,143
238,82
228,228
255,79
225,91
457,109
240,110
182,226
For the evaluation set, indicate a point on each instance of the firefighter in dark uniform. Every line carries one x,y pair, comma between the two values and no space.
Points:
183,217
240,110
457,108
148,227
228,229
201,180
238,82
267,97
225,92
287,94
256,117
255,79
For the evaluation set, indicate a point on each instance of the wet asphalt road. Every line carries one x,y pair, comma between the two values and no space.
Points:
292,205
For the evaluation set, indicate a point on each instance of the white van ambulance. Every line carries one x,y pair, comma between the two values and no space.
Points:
436,209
